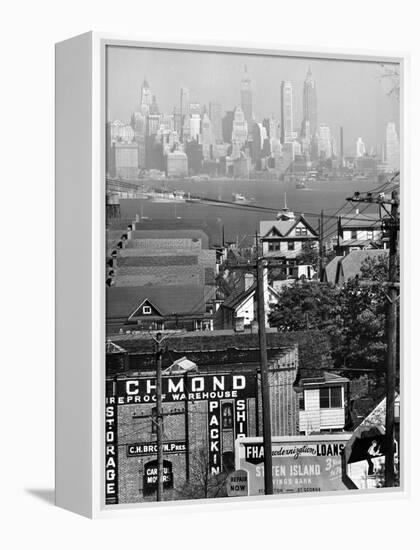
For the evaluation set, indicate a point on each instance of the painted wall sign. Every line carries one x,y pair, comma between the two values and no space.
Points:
150,448
132,391
111,455
150,476
300,463
215,453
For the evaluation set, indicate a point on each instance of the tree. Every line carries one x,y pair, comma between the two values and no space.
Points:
309,255
202,483
352,315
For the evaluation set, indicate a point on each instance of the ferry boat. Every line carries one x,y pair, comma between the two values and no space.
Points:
238,198
301,184
167,196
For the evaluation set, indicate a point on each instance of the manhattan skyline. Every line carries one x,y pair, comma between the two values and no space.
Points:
349,93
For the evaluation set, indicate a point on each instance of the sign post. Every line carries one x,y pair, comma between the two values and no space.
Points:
237,484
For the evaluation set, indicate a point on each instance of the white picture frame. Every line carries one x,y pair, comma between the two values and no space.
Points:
80,272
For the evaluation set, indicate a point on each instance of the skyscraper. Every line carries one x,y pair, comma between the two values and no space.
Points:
206,136
360,148
392,147
215,113
184,102
310,106
286,111
145,98
246,96
324,141
240,127
195,123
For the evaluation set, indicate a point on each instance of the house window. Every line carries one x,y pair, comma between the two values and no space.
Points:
330,398
270,247
147,310
290,245
369,235
277,246
302,401
227,416
354,234
301,231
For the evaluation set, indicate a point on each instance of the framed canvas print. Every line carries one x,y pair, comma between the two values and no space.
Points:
228,274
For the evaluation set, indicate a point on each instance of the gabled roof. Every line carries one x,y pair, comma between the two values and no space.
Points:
330,274
121,302
237,297
342,268
351,264
284,227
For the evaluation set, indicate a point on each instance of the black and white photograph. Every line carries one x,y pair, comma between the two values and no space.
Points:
252,274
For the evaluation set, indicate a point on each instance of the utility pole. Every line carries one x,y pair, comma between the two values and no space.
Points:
159,411
391,346
321,246
159,416
265,390
391,223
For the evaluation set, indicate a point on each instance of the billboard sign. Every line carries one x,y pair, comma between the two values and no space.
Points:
301,464
133,391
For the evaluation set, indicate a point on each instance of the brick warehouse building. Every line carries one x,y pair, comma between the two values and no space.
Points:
205,408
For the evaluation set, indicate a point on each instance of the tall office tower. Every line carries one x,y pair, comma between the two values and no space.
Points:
184,102
257,142
392,147
154,107
177,120
215,113
145,98
139,124
360,148
186,129
246,96
167,122
341,146
324,141
240,127
195,123
206,136
195,109
153,123
286,112
310,105
227,126
305,138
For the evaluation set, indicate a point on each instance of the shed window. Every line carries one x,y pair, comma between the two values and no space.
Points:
330,398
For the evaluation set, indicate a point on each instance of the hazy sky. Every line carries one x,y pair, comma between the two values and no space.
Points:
350,94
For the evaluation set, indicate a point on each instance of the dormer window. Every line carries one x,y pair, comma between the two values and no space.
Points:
147,310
